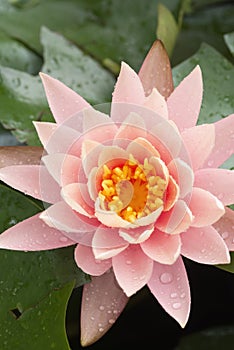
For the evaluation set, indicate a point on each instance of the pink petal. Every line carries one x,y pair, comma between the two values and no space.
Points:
63,101
162,248
94,119
140,148
62,217
150,218
94,181
77,197
172,194
199,142
33,180
64,168
110,218
58,139
206,208
217,181
102,303
128,88
86,261
169,284
205,246
225,227
160,168
112,153
106,237
224,143
136,235
90,153
156,72
176,220
157,103
131,128
132,269
185,101
45,130
33,234
165,138
183,175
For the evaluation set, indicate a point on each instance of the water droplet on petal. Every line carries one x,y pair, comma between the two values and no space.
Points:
128,262
176,306
166,278
174,295
111,321
225,235
63,239
101,308
182,295
210,163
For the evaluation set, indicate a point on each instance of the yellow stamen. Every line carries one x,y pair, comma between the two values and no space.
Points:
132,190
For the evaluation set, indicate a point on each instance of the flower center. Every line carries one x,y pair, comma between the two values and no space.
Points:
131,190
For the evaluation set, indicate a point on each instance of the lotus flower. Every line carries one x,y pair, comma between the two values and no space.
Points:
135,190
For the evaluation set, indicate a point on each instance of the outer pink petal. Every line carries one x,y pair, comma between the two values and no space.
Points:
169,284
205,246
62,217
224,142
206,208
33,180
157,103
102,303
63,101
64,168
199,142
58,139
176,220
33,234
156,70
94,119
85,260
185,101
45,130
162,248
225,227
77,197
183,175
128,88
220,182
132,269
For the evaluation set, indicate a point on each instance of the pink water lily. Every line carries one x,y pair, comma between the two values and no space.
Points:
136,190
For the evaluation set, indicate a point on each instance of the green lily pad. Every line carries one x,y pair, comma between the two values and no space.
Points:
228,267
229,39
168,29
218,75
26,60
42,324
69,64
204,24
105,29
214,338
22,98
